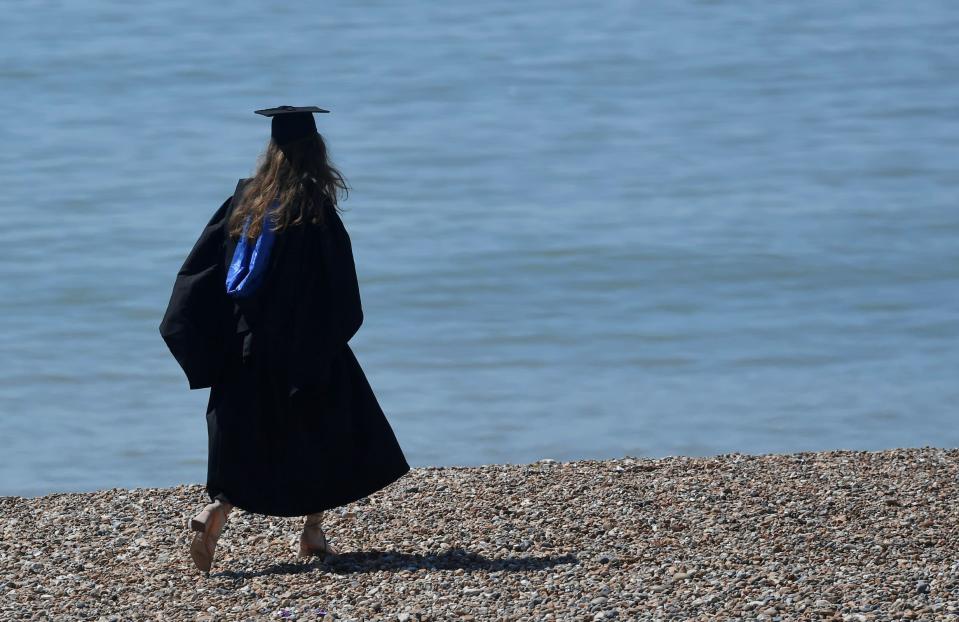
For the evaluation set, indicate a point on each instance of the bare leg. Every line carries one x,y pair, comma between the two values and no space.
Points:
198,522
227,506
207,526
313,540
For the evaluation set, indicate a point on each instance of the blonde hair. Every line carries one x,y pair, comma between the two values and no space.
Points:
299,177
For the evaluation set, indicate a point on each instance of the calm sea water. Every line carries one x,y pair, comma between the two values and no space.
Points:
582,230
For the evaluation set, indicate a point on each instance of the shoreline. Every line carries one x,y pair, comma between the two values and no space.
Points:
836,535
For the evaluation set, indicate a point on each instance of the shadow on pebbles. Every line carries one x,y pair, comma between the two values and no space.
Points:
837,535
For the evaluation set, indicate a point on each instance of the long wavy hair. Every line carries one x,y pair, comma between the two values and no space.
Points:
300,177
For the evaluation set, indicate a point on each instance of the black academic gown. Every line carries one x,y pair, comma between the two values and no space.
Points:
294,427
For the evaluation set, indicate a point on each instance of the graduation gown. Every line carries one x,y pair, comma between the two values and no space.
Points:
293,425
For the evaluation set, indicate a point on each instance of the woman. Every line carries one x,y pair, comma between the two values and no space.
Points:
261,313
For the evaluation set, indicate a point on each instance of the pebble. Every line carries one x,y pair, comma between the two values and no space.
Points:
850,536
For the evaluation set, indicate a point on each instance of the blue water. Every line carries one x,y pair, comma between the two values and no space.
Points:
582,230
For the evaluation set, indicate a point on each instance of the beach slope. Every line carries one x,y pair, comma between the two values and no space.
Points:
837,535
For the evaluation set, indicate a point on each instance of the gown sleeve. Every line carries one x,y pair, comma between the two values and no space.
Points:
330,310
194,324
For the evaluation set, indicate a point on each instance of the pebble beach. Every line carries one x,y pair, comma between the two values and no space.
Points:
835,535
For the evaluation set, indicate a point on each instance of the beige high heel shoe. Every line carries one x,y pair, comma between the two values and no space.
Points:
313,540
207,526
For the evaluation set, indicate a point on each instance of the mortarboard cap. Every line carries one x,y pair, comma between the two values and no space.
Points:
291,122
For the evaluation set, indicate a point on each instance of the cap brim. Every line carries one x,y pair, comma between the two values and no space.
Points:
270,112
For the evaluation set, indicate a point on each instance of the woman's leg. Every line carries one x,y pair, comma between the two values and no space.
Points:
313,540
226,502
207,526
